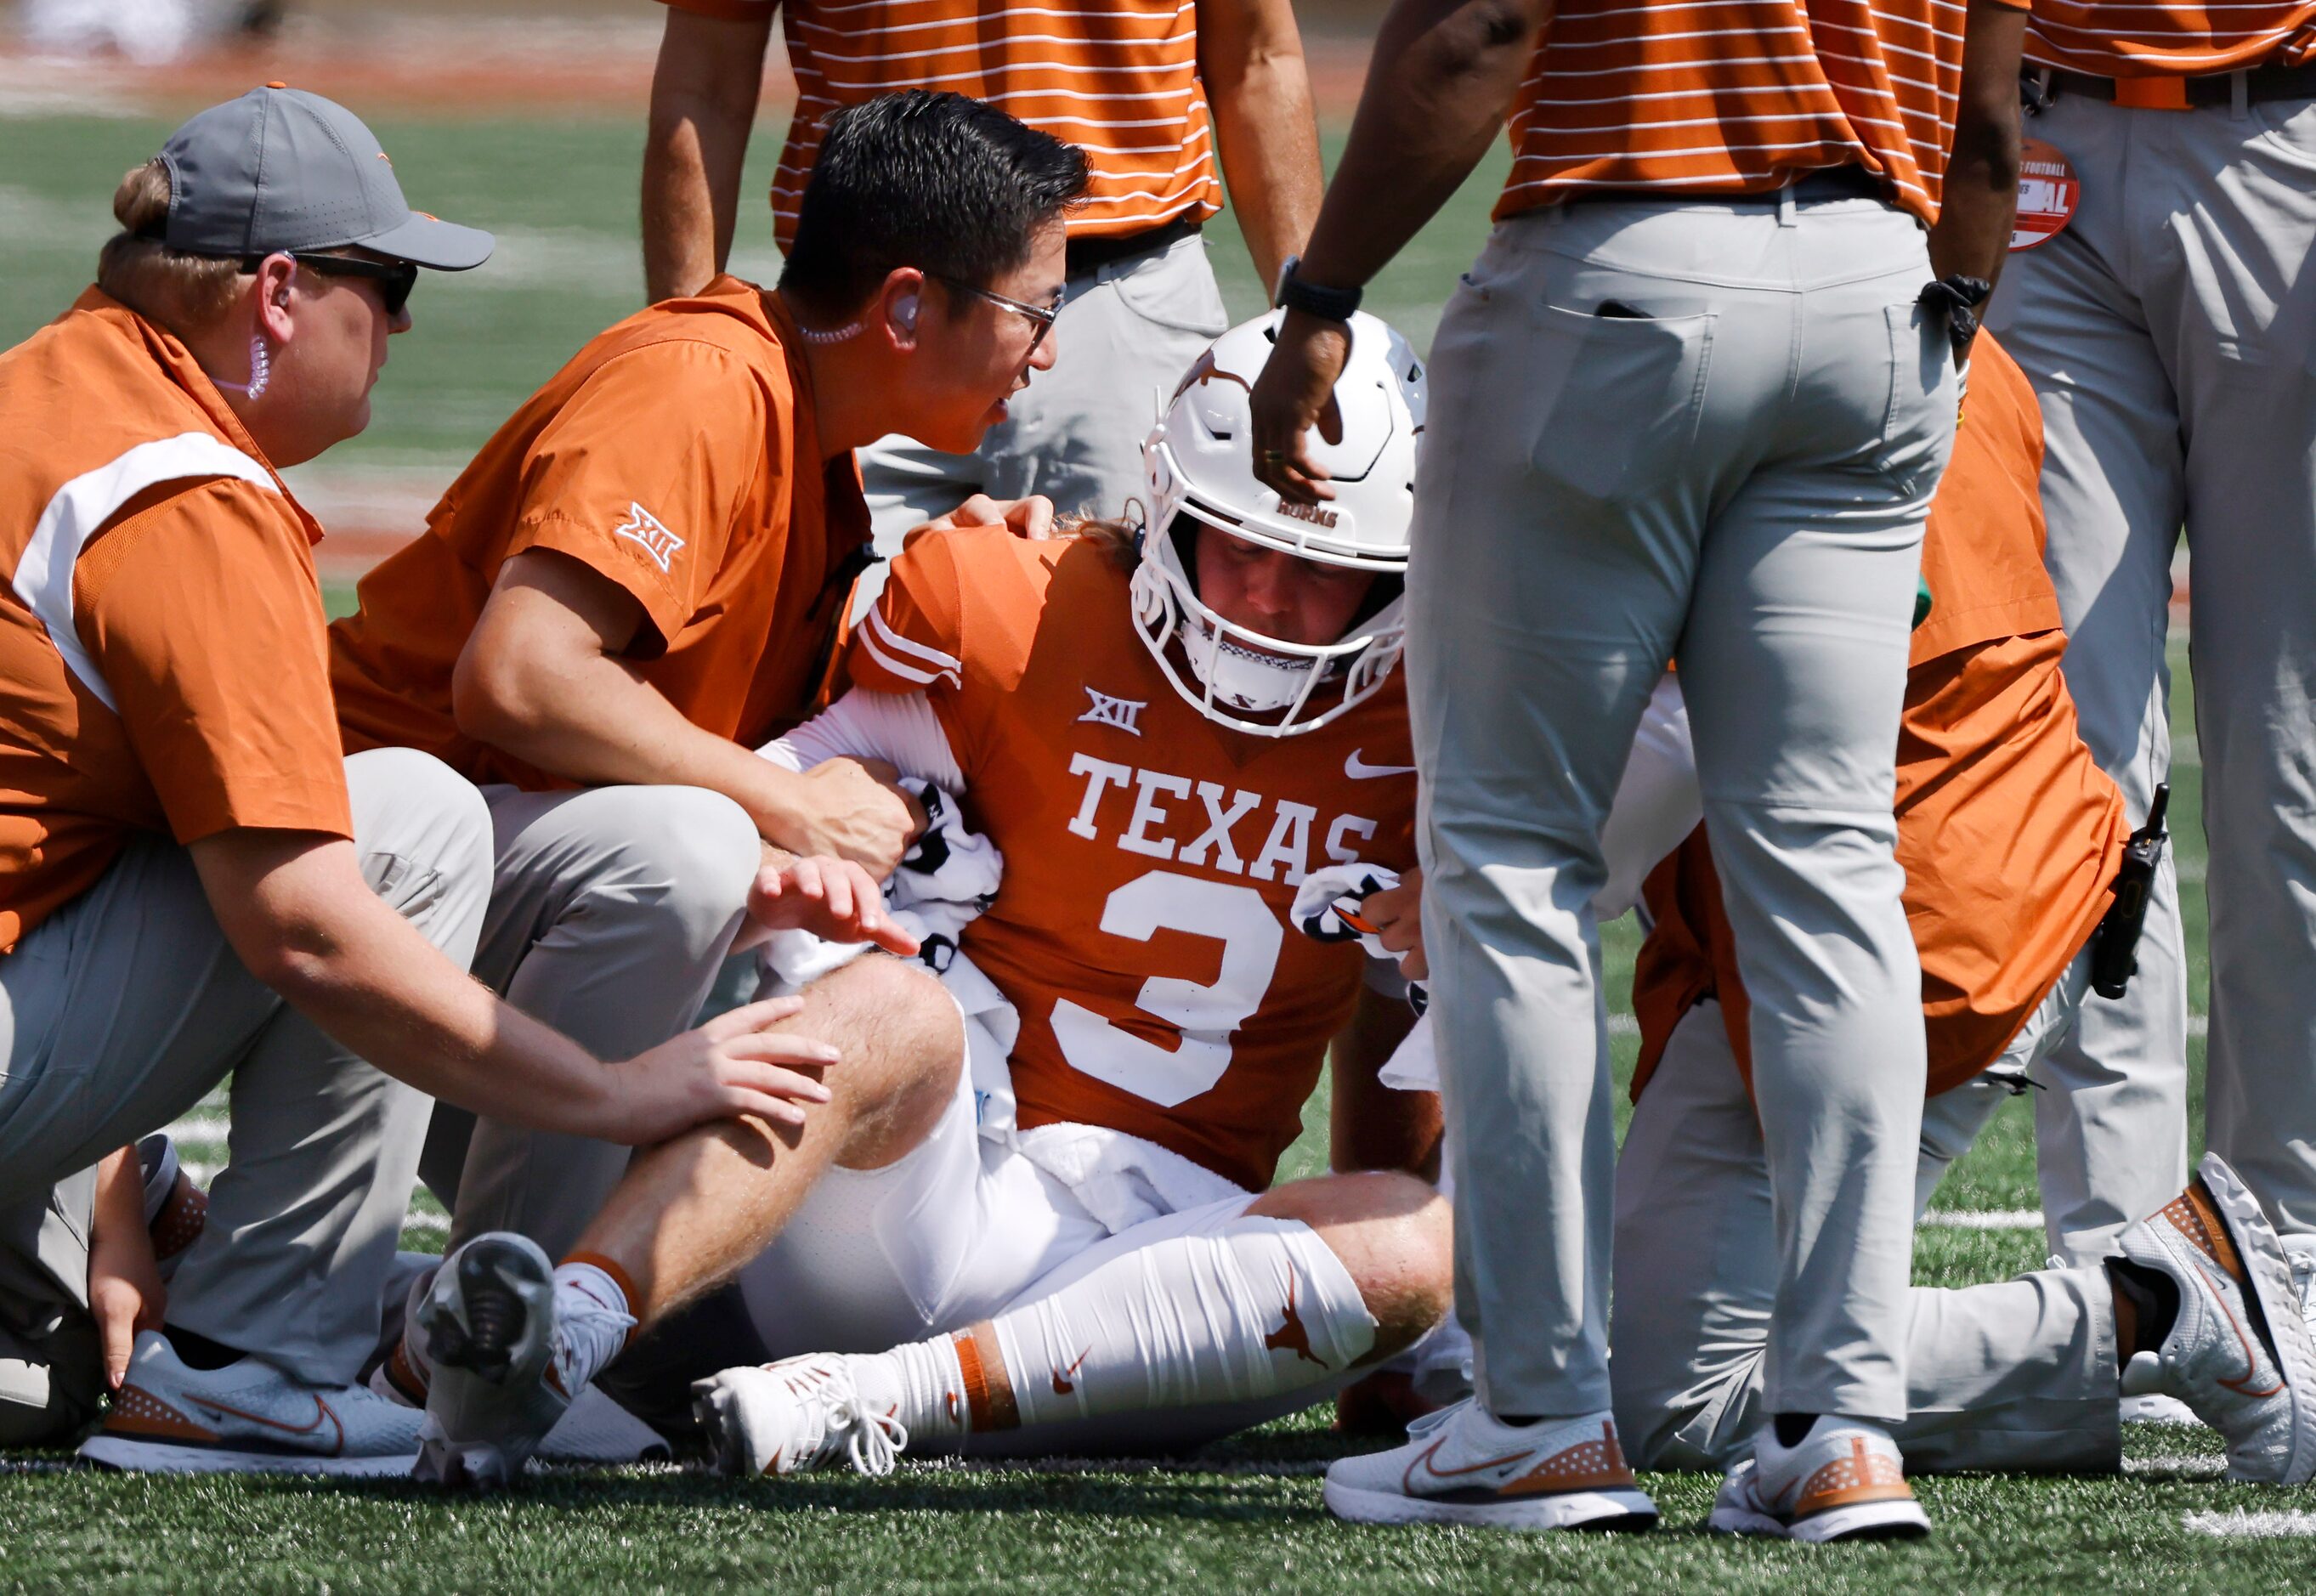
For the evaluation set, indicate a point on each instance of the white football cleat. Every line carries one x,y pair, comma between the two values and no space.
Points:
2240,1352
1841,1481
797,1414
248,1417
2155,1408
1461,1466
488,1322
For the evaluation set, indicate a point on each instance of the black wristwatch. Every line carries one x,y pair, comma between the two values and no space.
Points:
1328,304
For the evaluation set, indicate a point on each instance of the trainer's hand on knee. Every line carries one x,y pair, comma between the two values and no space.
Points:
1294,393
858,811
1398,916
734,1064
829,897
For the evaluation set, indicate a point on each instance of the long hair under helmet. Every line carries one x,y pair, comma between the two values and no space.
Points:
1199,465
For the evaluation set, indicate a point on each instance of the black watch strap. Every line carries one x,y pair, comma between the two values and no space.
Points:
1328,304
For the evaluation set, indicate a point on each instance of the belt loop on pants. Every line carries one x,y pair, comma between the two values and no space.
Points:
1785,206
2239,95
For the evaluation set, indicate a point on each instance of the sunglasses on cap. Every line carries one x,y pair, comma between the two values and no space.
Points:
394,279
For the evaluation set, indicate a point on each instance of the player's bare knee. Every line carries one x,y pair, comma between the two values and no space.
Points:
1393,1235
903,1042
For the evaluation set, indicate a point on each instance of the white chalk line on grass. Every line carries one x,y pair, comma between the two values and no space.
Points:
2192,1466
1299,1468
2244,1526
1993,1219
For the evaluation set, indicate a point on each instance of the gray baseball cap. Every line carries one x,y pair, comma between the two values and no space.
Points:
281,169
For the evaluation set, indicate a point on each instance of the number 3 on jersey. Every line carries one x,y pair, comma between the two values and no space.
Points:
1204,1014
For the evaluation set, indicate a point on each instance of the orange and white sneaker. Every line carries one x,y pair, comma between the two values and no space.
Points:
797,1414
1462,1465
176,1211
2238,1351
1841,1481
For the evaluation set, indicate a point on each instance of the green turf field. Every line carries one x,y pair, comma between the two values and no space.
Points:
561,194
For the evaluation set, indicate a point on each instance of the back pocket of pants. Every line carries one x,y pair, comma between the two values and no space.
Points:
1915,434
1627,392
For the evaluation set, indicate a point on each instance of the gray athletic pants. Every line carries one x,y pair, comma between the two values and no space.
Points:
2019,1375
123,1010
2171,331
1128,332
1736,472
610,911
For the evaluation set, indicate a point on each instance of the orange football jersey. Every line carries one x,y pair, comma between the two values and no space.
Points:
1151,856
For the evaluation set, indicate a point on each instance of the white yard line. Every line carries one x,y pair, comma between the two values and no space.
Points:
1300,1468
2243,1525
2185,1466
1996,1219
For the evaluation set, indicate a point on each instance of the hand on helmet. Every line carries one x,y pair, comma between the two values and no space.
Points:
1295,392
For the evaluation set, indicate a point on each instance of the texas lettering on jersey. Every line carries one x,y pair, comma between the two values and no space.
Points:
1151,856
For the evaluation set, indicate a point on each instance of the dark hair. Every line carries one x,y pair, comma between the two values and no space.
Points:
952,186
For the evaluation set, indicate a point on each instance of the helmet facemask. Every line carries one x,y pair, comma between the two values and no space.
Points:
1199,467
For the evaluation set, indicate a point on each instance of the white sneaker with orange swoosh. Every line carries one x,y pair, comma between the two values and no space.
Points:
797,1414
1462,1465
2239,1351
248,1417
1841,1481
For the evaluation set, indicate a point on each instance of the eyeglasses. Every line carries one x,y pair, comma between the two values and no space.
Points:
394,279
1043,315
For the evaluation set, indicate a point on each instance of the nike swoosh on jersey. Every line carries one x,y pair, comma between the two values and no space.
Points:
1358,769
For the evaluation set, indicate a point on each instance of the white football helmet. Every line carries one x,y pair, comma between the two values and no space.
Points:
1198,463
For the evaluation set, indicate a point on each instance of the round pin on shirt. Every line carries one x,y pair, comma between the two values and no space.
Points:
2048,192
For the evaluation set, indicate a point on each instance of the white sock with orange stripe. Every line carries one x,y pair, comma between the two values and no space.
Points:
1258,1307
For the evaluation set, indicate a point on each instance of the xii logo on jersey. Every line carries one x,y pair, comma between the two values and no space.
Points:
643,527
1120,713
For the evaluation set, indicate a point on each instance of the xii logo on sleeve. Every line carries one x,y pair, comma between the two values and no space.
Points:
643,527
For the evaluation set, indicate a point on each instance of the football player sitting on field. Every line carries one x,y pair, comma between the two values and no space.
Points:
1163,729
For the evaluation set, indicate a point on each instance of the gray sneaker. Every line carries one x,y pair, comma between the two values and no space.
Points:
2240,1352
248,1417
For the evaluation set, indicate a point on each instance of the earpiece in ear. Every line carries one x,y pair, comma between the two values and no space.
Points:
904,311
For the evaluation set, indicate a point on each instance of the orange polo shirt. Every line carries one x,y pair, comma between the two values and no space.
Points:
162,658
676,457
1119,79
2171,37
1736,96
2009,831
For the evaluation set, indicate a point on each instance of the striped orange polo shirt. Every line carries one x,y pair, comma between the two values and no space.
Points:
1118,78
2166,39
1736,96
